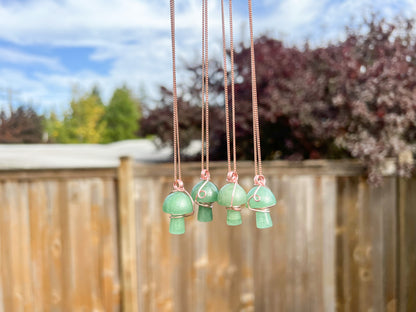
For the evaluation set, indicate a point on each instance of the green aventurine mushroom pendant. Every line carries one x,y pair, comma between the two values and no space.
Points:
232,196
204,194
259,199
179,205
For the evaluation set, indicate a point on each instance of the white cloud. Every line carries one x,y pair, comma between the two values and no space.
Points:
135,36
22,58
320,21
93,22
28,90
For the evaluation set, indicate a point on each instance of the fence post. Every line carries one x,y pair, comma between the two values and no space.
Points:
127,236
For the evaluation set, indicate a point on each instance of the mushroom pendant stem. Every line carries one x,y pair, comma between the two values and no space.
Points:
233,217
204,214
204,193
177,225
260,199
178,204
263,220
232,196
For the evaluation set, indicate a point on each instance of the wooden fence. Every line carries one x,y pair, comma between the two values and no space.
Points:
97,240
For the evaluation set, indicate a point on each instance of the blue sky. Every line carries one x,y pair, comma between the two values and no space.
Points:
49,46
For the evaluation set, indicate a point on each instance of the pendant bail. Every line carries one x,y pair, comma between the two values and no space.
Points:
260,180
232,177
205,175
178,186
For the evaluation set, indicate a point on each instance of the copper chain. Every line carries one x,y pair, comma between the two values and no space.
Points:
232,83
256,132
205,91
176,146
256,129
227,115
227,118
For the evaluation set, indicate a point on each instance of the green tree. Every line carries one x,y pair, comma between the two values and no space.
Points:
53,127
121,116
82,123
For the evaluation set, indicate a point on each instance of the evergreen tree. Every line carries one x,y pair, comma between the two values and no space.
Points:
121,116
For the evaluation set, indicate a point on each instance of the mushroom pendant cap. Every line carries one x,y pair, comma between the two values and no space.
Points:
232,195
225,196
263,198
177,203
208,194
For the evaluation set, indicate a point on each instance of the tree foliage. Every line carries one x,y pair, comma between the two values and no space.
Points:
82,123
353,98
158,121
88,120
121,116
22,125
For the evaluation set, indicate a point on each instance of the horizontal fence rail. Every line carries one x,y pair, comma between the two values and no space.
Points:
97,240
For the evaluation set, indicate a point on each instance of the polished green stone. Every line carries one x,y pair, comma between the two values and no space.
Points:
226,195
177,226
210,189
177,203
224,199
265,199
211,196
204,214
233,217
263,220
265,196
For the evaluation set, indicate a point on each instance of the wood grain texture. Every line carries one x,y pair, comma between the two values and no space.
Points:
127,225
332,246
91,240
407,241
51,255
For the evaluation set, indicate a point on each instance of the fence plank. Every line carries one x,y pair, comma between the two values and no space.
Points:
96,206
328,265
336,243
109,266
382,217
6,246
390,236
20,248
142,225
127,225
56,269
314,238
80,243
39,248
6,235
407,215
347,242
368,249
23,269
